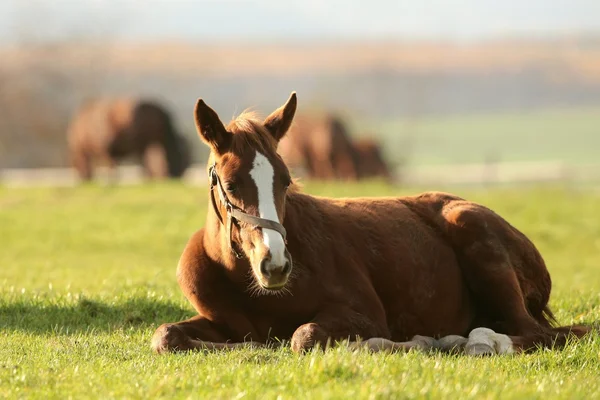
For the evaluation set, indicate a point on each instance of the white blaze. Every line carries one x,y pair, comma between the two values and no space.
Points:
262,173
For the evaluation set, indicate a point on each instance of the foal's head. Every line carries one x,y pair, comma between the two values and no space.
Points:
249,182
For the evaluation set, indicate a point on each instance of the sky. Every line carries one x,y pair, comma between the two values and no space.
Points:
141,20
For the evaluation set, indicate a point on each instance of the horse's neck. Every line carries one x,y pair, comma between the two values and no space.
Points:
299,208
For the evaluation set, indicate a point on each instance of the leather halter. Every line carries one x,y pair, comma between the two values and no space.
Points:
235,213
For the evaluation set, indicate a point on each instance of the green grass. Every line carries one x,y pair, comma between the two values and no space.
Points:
569,135
87,274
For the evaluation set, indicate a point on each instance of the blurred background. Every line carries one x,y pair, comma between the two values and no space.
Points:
461,92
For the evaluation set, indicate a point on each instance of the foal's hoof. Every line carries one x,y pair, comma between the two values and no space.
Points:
479,349
452,343
169,338
424,343
373,345
485,342
307,337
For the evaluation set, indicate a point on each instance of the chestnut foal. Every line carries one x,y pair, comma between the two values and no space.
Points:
272,262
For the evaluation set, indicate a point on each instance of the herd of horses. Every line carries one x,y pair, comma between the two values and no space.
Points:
107,131
273,264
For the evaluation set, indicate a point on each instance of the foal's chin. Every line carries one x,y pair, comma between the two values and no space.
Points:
272,285
264,286
273,288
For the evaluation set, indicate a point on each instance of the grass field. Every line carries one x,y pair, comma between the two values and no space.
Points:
87,274
569,135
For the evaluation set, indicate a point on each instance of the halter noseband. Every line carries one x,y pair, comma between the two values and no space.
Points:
235,213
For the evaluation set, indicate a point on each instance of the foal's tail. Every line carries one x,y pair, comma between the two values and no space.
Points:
554,338
549,335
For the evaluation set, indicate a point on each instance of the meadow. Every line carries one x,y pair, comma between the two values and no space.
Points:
549,134
88,273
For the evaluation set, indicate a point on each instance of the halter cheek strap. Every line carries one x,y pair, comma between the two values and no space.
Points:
235,214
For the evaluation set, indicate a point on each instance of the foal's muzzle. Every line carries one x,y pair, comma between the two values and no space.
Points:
274,276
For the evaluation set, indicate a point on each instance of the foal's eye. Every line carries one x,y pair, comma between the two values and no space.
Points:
287,181
231,187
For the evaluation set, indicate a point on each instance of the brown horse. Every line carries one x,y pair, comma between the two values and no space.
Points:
322,146
109,130
370,159
381,269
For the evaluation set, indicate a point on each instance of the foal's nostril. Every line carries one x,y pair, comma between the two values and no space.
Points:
287,268
263,267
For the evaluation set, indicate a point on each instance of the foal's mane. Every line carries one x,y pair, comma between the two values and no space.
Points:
248,131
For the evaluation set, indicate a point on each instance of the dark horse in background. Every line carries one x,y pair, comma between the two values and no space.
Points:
322,146
273,262
370,159
108,130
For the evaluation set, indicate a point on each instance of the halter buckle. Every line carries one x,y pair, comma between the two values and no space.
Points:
212,175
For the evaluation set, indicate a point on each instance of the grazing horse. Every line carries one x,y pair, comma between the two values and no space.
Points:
109,130
370,160
273,262
322,146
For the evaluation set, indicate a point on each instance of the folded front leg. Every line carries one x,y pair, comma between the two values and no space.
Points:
377,344
194,333
334,325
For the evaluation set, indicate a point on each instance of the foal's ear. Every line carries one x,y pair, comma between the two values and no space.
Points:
210,128
280,120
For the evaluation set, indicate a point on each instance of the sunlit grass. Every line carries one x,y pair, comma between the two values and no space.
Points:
87,274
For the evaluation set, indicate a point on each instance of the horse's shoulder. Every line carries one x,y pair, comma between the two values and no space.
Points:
194,254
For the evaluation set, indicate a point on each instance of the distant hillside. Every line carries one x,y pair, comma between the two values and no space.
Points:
383,80
380,78
578,57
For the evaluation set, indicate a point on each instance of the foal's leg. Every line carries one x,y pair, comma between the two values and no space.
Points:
488,268
185,335
377,344
337,324
484,341
507,276
204,290
481,341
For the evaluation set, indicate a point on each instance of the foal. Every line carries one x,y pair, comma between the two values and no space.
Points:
272,262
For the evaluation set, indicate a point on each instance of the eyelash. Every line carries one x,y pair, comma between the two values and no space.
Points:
231,187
